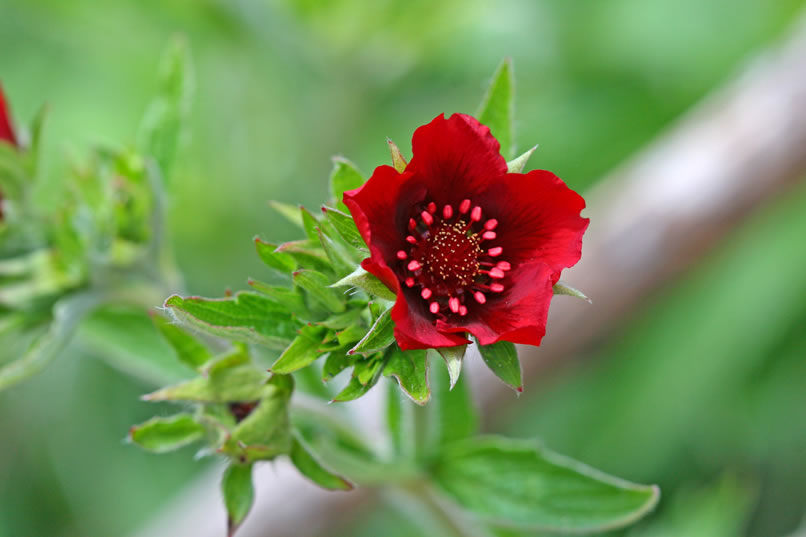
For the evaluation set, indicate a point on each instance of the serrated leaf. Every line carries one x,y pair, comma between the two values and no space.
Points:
303,351
562,288
497,107
247,317
188,349
340,321
453,357
318,286
379,336
367,282
502,359
345,226
239,494
311,468
517,165
161,435
518,484
410,369
280,262
345,176
266,432
398,162
162,125
350,335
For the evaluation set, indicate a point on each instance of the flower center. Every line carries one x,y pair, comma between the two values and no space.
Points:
451,257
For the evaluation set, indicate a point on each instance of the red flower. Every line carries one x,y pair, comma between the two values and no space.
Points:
466,246
6,132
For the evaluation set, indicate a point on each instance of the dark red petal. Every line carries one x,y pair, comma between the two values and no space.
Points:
455,158
538,219
6,131
519,315
414,325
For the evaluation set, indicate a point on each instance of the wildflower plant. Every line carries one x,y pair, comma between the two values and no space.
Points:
387,285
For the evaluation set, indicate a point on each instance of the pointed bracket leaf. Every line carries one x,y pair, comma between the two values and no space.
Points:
398,162
562,288
502,359
497,108
239,494
410,369
161,435
453,357
517,165
311,468
368,282
380,336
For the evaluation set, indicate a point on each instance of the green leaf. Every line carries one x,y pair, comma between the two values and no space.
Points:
367,282
306,254
502,359
161,435
345,176
518,164
161,129
336,362
318,286
453,357
280,262
291,299
311,468
289,212
380,336
341,263
223,385
562,288
266,432
497,107
239,494
303,351
188,349
453,413
366,374
398,162
246,317
309,224
410,369
345,226
515,483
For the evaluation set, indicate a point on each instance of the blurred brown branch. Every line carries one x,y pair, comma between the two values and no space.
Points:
651,218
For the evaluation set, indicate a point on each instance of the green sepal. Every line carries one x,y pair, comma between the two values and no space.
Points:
340,262
309,224
517,165
345,227
247,317
318,286
265,433
279,261
367,282
497,107
345,176
562,288
343,320
544,491
311,468
502,359
188,349
303,351
379,336
229,385
366,374
307,254
398,162
238,492
410,370
453,357
161,435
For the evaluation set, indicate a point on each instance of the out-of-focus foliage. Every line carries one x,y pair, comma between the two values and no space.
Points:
292,83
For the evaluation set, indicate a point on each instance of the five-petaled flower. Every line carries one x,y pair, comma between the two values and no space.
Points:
6,134
466,246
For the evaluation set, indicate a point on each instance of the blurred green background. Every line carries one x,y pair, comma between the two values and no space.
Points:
703,395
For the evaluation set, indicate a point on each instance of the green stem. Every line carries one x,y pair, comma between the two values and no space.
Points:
432,513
